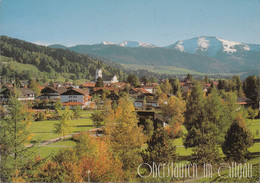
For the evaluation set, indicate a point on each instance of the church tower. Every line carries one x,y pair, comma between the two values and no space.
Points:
98,74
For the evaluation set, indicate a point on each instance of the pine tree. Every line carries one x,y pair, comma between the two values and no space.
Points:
14,135
99,82
237,141
160,148
194,115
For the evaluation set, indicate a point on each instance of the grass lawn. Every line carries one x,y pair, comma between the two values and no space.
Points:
254,126
43,130
45,151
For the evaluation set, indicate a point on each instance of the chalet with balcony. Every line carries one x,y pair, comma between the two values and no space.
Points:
75,97
24,94
52,93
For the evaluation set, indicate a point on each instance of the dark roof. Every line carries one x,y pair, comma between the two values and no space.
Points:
54,89
244,100
24,91
74,91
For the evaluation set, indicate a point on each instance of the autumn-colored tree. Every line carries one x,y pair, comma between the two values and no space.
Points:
91,157
158,90
125,136
166,86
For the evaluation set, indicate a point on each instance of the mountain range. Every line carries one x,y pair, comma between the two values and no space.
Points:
201,54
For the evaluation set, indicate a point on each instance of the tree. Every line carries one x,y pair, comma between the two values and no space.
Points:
174,108
14,135
34,85
98,118
148,128
207,123
189,77
251,89
58,105
99,82
158,90
175,83
126,147
194,115
77,111
64,126
206,79
237,141
237,86
160,148
92,157
166,87
252,113
133,80
144,79
152,80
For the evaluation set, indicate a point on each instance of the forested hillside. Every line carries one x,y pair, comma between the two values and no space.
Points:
56,61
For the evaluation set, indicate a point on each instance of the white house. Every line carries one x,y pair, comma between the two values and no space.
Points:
74,97
114,79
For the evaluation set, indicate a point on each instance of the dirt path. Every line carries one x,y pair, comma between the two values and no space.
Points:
51,141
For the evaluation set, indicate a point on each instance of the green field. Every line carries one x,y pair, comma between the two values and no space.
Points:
162,69
44,130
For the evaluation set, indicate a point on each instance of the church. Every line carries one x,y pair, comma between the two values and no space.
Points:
106,80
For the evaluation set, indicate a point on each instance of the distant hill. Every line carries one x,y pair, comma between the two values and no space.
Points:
200,54
153,56
54,62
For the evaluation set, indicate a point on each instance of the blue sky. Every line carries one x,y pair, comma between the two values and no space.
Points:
159,22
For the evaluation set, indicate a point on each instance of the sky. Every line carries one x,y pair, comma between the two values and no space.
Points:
159,22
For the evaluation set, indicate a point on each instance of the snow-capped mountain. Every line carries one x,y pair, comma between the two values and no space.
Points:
211,46
202,54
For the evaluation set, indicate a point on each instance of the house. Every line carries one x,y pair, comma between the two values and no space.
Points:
244,101
52,93
158,120
74,97
24,94
89,86
114,79
146,100
99,90
113,97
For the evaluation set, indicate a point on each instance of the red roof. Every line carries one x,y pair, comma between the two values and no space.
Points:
88,84
72,103
141,90
106,88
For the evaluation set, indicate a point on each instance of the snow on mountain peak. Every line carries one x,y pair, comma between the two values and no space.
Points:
203,43
134,44
107,43
228,46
